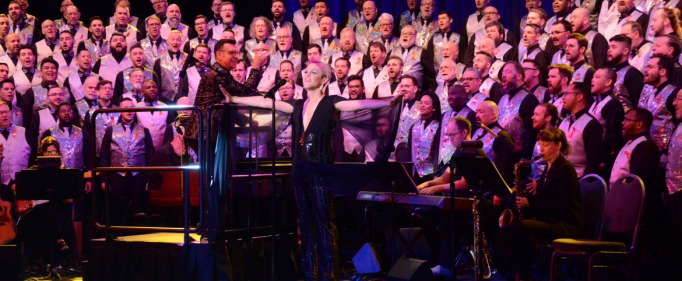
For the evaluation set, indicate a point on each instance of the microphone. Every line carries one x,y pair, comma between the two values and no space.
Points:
487,129
181,118
188,62
271,93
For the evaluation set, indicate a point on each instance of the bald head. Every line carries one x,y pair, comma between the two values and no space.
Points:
490,14
369,10
450,50
487,45
486,112
580,19
326,27
184,101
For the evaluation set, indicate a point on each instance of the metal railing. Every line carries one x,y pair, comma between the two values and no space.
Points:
184,169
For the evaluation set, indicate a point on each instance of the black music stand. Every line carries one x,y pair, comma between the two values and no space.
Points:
49,184
481,175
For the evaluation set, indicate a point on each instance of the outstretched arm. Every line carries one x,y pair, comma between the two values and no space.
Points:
257,101
353,105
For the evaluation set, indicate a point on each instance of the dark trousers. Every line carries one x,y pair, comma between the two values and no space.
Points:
127,196
41,227
516,240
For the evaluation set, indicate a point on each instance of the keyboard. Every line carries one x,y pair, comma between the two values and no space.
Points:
441,202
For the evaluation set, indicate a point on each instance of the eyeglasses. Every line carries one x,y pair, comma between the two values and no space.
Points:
283,37
232,53
69,111
385,24
469,79
154,24
7,112
529,68
407,34
490,13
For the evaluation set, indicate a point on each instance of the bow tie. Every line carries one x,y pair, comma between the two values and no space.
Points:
68,55
11,56
597,98
305,10
27,70
121,29
84,74
572,117
74,28
202,68
150,104
2,130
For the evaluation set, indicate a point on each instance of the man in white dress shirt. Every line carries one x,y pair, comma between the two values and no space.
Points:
96,43
153,45
168,66
80,32
340,86
17,151
66,57
111,64
131,33
11,57
377,73
641,48
227,12
303,16
4,30
173,18
26,77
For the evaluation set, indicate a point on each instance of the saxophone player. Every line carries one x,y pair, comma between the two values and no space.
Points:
554,211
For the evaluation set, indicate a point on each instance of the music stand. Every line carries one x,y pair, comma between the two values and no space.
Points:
49,184
480,174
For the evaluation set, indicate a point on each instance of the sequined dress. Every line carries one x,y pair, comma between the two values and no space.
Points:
319,237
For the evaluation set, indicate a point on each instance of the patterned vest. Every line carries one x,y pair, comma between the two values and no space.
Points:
411,60
354,18
294,56
538,166
25,34
102,122
671,4
333,48
148,75
406,17
620,91
422,146
151,54
127,151
446,148
170,74
40,96
250,46
95,51
366,35
588,53
663,126
392,43
83,108
488,140
510,119
673,174
424,32
580,73
438,41
407,118
560,58
71,146
540,92
17,116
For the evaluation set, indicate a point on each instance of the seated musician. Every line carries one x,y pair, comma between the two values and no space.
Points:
458,130
42,219
552,211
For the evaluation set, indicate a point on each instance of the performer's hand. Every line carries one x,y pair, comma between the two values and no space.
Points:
521,202
228,97
260,58
431,190
396,99
88,187
423,185
496,200
532,186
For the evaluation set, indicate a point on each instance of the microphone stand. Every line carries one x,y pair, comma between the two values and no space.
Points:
272,190
453,254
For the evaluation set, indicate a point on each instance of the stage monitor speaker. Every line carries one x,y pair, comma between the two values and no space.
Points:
368,260
411,270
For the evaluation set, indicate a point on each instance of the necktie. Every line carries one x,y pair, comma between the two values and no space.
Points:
128,131
445,89
342,87
347,56
387,44
66,131
16,29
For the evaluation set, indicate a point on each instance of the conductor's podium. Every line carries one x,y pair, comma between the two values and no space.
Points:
171,193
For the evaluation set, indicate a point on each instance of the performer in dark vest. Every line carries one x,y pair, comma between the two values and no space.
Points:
457,100
127,144
516,110
629,81
497,143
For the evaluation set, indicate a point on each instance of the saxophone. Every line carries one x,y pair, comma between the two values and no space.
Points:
483,260
507,215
